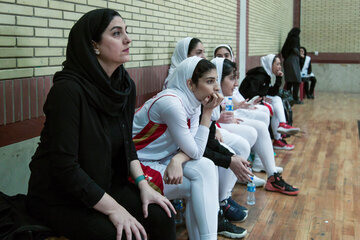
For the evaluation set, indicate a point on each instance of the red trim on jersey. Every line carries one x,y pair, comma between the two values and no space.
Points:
148,134
152,130
153,177
269,107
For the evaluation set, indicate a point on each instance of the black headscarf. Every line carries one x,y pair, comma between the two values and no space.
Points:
292,41
108,95
302,59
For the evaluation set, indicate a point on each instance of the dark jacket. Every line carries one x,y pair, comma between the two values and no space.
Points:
292,66
292,41
257,83
291,54
15,222
75,167
216,152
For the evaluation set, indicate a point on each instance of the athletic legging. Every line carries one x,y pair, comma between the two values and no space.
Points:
227,179
262,145
78,222
200,191
261,113
279,115
240,144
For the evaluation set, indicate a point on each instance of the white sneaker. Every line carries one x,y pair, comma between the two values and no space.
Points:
259,182
257,166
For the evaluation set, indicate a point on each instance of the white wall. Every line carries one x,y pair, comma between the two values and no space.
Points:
337,77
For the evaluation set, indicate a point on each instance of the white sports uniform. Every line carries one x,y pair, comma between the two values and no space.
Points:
276,102
168,122
255,131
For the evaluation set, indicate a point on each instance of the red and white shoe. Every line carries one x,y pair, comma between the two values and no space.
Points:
275,183
282,145
285,128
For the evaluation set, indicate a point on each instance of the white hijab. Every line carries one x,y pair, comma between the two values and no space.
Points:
219,63
228,48
178,84
236,94
179,55
266,63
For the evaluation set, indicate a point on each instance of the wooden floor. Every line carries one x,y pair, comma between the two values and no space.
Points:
325,165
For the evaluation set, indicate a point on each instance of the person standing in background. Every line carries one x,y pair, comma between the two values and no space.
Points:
291,54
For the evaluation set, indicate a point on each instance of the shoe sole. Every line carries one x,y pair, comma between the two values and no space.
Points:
288,131
257,184
283,192
262,170
233,235
283,148
257,169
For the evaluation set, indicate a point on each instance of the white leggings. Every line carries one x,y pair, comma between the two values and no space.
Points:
262,146
261,113
227,179
279,115
241,144
200,191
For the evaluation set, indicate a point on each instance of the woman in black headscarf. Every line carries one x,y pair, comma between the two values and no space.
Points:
79,174
291,54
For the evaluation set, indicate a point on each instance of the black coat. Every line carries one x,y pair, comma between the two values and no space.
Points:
257,83
88,124
73,163
292,67
216,152
291,54
292,41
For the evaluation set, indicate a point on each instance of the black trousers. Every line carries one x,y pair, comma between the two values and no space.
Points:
294,88
310,92
80,222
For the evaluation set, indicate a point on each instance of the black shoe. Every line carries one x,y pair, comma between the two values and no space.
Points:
232,212
311,96
227,229
298,102
236,205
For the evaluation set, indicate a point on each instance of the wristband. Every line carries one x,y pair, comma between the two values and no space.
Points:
138,179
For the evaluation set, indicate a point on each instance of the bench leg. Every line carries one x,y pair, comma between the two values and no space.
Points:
301,90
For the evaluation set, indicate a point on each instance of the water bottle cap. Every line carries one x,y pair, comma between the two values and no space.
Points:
252,178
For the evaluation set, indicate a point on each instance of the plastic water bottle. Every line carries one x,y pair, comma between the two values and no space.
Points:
251,188
229,106
179,207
